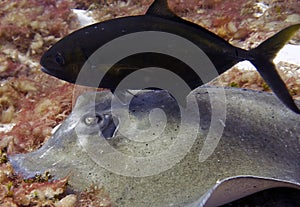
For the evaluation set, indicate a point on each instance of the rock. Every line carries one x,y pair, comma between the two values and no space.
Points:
293,18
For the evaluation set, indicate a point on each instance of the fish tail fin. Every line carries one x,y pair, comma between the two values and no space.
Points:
271,46
263,56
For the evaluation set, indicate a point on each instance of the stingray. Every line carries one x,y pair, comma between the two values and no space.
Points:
225,144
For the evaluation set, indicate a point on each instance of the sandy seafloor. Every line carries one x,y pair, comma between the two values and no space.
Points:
33,103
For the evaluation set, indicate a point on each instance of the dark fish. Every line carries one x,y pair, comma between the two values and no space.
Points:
66,58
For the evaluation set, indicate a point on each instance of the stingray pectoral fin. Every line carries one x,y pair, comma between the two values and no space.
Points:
233,188
263,56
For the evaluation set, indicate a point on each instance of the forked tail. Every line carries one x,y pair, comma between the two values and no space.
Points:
263,56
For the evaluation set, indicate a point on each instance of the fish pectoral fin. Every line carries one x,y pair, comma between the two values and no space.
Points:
161,8
123,96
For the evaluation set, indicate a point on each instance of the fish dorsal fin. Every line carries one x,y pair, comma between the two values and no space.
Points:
161,8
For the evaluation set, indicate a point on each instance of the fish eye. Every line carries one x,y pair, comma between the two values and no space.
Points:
59,59
92,120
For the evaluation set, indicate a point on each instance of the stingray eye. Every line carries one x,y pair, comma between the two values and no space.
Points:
103,124
92,120
59,59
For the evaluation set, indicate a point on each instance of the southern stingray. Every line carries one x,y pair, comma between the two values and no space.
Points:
224,145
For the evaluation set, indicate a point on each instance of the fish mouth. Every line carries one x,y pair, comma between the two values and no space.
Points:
54,73
46,71
49,72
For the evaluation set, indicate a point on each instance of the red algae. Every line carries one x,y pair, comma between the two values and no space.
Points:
251,79
14,191
33,101
30,100
35,106
22,20
26,193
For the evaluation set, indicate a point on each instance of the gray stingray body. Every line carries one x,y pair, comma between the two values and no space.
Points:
234,143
